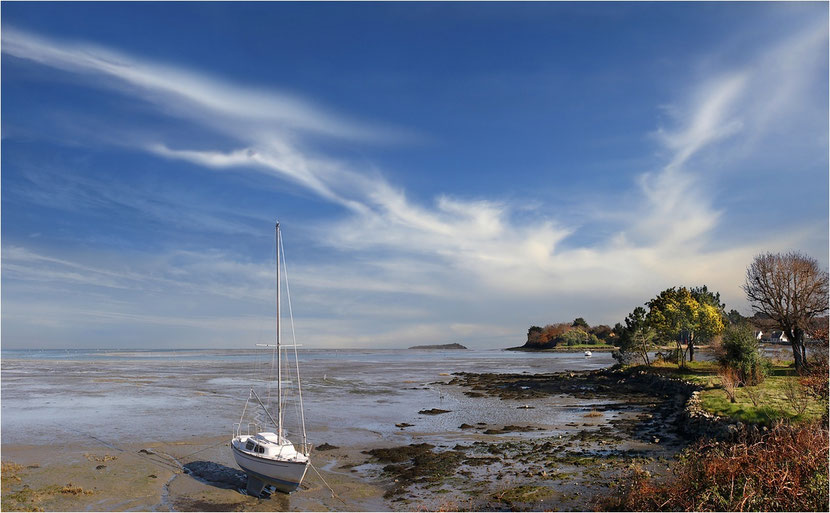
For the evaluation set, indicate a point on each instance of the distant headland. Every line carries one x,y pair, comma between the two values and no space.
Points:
440,346
569,337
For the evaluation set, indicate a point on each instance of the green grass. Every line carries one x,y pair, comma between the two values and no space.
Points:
771,402
700,373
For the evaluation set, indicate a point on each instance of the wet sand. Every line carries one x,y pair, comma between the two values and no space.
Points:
192,475
486,462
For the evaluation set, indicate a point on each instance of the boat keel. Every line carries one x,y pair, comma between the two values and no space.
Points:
255,486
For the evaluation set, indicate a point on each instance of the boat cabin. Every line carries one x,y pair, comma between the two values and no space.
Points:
269,445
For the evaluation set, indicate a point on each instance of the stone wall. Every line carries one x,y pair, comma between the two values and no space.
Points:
697,422
693,421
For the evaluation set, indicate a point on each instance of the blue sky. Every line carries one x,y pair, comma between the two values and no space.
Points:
444,172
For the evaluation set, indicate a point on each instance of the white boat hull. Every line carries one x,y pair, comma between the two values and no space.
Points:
285,476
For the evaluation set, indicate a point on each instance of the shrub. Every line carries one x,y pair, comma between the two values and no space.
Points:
815,379
624,358
739,350
673,355
783,470
574,337
730,381
796,395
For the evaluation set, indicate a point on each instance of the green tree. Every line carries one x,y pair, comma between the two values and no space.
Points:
676,315
579,322
734,318
637,334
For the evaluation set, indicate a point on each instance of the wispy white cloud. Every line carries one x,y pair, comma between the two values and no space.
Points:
192,93
468,250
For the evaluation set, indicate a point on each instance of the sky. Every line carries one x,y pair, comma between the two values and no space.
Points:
442,172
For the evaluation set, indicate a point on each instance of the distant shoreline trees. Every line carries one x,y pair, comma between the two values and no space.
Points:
578,332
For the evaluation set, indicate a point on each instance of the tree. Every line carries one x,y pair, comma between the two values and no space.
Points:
636,336
533,335
735,318
579,322
675,314
791,289
703,295
602,332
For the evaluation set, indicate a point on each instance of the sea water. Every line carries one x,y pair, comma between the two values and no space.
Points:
351,397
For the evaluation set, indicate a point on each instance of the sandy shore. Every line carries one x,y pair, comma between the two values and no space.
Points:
192,475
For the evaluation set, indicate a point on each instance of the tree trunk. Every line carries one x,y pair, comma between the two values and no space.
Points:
691,344
802,347
796,337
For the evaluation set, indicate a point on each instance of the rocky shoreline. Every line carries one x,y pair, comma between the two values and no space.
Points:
558,472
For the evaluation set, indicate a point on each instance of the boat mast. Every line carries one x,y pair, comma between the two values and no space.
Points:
279,352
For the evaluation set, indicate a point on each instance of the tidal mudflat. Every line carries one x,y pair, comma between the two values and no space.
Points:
395,430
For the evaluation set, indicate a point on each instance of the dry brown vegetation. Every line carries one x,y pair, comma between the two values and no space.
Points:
815,379
10,470
730,381
71,489
782,470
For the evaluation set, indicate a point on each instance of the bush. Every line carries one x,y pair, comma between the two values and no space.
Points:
624,357
674,355
783,470
739,351
815,378
574,337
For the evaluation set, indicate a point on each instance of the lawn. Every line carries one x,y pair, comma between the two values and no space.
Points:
777,398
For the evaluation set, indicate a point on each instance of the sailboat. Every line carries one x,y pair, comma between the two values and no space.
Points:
268,457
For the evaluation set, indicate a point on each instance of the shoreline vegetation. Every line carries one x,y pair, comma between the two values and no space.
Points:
567,349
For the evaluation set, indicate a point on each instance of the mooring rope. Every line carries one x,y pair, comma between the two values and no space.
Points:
327,485
224,441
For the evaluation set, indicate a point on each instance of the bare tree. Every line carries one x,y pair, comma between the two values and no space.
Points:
791,289
730,381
